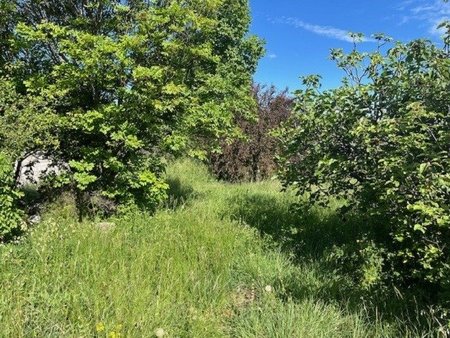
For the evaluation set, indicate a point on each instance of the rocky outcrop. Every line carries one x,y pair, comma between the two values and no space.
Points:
34,168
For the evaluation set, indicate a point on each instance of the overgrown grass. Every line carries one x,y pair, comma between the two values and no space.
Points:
198,268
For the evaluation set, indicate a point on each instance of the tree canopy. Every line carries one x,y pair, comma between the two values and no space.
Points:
115,86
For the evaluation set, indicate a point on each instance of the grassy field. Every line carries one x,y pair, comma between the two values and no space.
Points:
198,268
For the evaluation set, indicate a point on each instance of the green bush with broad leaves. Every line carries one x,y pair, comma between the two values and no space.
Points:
10,215
129,82
381,144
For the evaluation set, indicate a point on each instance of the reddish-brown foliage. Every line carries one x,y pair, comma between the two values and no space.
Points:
252,158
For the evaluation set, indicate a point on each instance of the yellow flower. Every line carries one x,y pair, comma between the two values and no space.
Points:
100,327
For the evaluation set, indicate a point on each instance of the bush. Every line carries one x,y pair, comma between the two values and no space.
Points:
381,143
252,157
10,215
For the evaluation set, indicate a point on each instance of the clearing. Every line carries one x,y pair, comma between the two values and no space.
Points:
198,268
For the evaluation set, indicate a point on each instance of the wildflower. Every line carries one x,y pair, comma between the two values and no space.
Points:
268,288
160,332
100,327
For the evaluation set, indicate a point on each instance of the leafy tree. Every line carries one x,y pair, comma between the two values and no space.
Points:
7,23
252,156
10,215
27,125
130,81
381,142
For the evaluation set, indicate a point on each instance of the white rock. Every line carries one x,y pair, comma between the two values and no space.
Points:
35,219
36,166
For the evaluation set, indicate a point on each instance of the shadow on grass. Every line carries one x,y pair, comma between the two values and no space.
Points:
309,232
179,193
330,244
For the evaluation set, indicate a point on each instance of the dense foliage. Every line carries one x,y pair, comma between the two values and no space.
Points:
116,85
10,215
27,124
381,142
252,157
108,90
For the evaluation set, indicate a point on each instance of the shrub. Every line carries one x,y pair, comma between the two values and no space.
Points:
10,215
382,144
252,157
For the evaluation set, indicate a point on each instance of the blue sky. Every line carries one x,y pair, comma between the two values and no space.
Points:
300,33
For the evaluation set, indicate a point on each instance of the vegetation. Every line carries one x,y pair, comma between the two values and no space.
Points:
126,83
10,215
380,144
111,91
252,157
192,270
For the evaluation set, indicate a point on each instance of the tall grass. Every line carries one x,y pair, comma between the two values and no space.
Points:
195,269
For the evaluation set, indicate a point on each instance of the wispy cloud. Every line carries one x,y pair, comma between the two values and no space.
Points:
328,31
272,56
431,13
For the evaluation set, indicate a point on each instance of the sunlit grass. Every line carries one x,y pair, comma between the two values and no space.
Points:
195,269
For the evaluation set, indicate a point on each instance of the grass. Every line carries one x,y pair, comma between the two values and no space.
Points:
218,260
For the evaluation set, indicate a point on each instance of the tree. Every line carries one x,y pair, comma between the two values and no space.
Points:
131,81
27,125
10,215
7,22
381,143
252,157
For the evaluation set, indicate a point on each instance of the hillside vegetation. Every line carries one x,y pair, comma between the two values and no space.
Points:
198,268
118,238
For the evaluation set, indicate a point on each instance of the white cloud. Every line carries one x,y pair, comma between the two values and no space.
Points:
431,14
328,31
404,4
272,56
434,30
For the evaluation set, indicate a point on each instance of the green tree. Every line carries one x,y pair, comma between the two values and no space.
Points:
27,125
131,81
10,215
381,142
7,23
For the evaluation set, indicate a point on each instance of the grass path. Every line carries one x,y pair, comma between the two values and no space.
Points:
192,270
